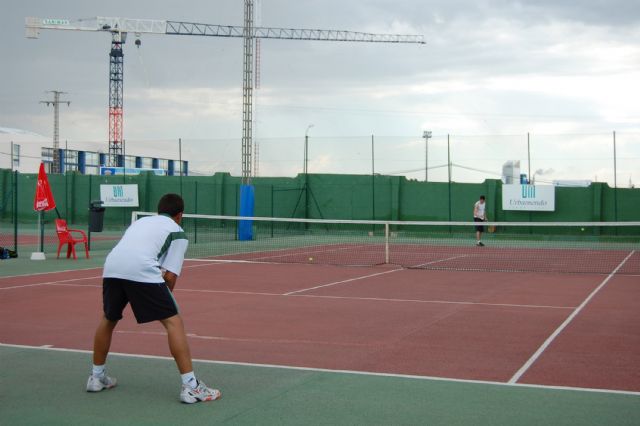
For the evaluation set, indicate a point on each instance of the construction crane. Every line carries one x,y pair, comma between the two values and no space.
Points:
257,17
120,27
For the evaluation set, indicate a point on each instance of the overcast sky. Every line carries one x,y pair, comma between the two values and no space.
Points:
567,72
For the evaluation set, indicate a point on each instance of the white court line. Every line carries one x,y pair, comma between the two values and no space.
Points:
48,273
353,372
341,282
76,285
304,253
441,260
205,263
375,299
65,283
379,299
555,334
264,250
215,261
256,340
51,282
60,282
249,293
229,261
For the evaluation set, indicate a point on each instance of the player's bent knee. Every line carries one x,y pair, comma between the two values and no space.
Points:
109,322
172,321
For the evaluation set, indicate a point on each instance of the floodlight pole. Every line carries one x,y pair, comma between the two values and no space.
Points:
305,166
449,172
426,135
180,160
529,157
373,182
305,170
615,180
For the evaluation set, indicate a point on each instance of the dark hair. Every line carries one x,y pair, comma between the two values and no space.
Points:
482,197
171,204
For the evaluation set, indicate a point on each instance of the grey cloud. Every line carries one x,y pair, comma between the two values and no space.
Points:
468,42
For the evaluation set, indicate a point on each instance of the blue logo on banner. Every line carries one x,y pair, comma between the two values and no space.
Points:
528,191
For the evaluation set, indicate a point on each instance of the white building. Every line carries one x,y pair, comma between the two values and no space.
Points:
26,147
23,151
511,172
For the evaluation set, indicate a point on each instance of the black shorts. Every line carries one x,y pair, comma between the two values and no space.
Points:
479,228
149,302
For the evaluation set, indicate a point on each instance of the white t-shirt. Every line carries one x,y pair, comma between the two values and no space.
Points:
149,244
478,210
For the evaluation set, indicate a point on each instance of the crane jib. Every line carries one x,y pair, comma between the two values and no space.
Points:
190,28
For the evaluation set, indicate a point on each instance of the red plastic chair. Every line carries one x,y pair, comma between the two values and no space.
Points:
65,236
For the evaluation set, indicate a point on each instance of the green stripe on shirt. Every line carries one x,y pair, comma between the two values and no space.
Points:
170,238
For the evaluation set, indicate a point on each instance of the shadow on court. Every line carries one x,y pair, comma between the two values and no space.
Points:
43,386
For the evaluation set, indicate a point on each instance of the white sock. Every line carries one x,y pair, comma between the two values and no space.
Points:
189,379
98,371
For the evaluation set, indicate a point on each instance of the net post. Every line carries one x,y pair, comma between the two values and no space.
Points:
195,222
386,242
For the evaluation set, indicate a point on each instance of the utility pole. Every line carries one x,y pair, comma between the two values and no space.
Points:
55,168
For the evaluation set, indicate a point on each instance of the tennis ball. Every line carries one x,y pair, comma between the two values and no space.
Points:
311,259
582,229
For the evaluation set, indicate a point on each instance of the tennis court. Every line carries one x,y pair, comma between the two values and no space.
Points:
292,335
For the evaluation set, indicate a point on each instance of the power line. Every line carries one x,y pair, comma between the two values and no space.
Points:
443,114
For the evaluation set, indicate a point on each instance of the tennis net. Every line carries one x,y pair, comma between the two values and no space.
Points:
572,247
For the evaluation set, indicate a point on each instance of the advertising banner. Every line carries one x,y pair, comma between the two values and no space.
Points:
119,195
529,197
129,171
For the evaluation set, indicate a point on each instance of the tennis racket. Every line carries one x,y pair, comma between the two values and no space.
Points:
491,228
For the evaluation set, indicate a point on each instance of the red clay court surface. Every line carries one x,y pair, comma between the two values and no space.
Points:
569,330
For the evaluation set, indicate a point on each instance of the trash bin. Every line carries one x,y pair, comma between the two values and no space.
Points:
96,216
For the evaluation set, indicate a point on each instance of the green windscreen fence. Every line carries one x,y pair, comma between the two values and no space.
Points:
313,196
8,211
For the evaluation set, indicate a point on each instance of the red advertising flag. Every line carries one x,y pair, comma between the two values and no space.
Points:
44,198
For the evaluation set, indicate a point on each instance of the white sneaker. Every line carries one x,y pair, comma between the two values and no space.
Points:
95,384
200,394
